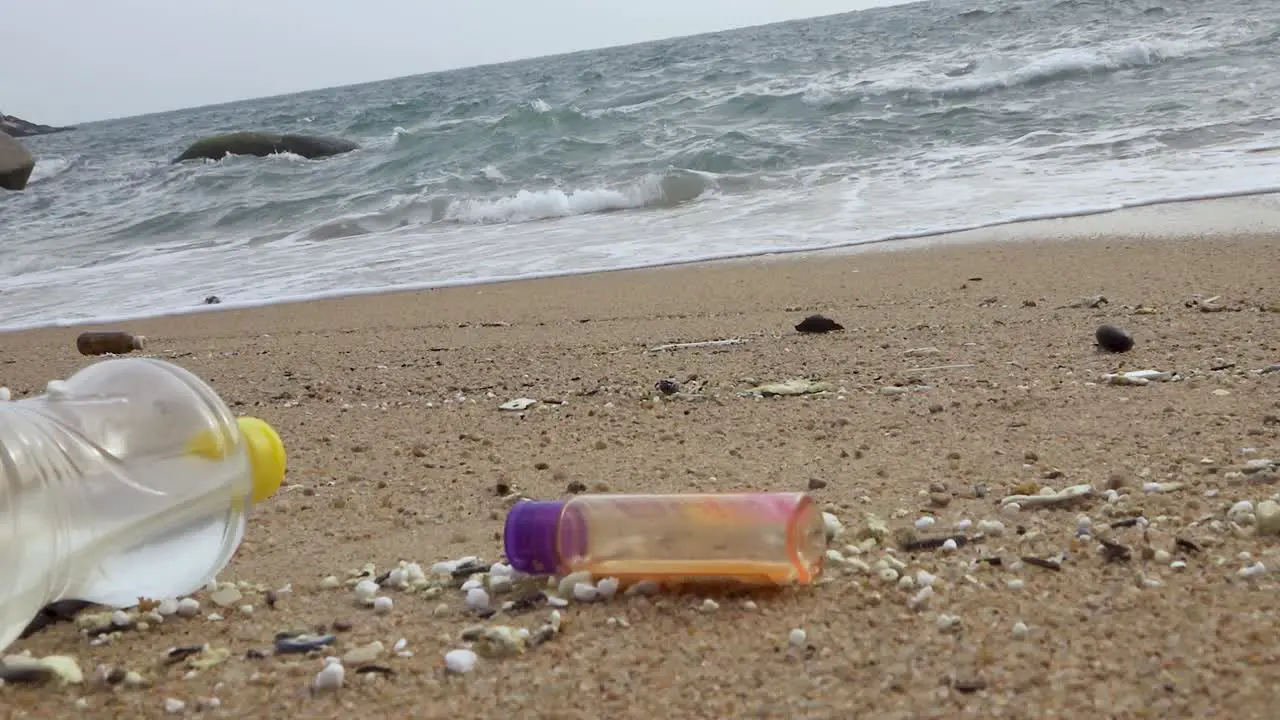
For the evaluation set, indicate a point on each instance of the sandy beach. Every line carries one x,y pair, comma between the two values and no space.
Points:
388,406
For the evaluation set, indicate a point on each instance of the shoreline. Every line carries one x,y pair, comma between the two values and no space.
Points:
1192,217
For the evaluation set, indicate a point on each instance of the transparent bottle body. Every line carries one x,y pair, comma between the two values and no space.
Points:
746,538
101,497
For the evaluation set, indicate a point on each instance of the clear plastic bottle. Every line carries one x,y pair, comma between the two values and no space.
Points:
745,538
131,479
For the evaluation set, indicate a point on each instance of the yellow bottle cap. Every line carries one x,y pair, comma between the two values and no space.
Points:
266,453
266,456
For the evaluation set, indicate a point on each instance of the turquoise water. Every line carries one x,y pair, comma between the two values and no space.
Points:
841,130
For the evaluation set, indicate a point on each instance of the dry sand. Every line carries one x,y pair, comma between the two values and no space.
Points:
387,464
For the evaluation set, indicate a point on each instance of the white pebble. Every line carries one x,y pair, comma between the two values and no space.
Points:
477,599
214,617
460,661
1083,523
500,583
925,522
174,706
949,545
750,606
500,569
120,618
167,607
1178,564
1252,571
797,637
1015,584
607,588
888,574
920,600
832,526
1012,508
556,601
834,557
400,645
382,605
946,622
964,524
1162,556
585,592
330,676
471,584
365,591
331,582
554,618
906,582
1020,630
924,578
709,605
994,528
444,567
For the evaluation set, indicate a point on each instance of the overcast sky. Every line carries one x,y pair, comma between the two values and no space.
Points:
71,61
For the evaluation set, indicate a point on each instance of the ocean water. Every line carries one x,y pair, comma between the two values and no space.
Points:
859,128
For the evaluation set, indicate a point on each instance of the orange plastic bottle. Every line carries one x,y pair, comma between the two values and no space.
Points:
743,538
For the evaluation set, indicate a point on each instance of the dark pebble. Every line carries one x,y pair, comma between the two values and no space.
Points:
342,625
818,324
576,487
178,654
61,611
1113,339
20,669
379,669
667,386
288,643
817,483
213,300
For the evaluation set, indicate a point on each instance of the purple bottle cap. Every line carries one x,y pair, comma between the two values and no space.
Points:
529,537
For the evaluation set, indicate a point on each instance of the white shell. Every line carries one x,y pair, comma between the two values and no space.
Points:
518,404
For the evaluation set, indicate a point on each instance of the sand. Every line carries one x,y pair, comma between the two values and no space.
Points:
389,408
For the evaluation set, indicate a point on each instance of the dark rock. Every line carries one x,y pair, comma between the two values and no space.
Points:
667,386
17,127
291,643
818,324
16,164
213,300
1113,339
60,611
262,144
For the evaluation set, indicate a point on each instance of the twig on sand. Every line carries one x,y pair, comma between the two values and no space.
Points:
699,344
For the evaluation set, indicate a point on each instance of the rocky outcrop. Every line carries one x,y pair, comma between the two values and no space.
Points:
17,127
262,144
16,164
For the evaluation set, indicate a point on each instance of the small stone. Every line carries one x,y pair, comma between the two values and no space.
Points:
607,588
174,706
477,599
709,605
330,583
460,661
565,587
226,596
832,525
382,605
797,638
939,499
924,523
363,654
585,592
994,528
750,606
366,591
330,677
1020,630
1113,339
817,483
188,607
1267,518
949,545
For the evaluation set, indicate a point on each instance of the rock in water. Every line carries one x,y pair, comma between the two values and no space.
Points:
16,164
1113,339
818,324
262,144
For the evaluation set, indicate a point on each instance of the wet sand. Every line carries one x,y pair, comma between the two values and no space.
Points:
388,406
